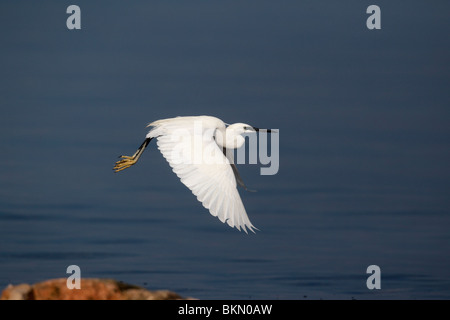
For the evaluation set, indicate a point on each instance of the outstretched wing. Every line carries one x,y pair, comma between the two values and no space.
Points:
200,164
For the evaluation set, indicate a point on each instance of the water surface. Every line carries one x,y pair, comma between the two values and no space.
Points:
364,146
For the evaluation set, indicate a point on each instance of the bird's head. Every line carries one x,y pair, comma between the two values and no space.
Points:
240,128
233,135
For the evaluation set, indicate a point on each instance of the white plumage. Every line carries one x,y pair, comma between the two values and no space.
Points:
194,148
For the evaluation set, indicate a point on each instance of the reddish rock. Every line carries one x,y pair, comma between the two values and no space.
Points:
91,289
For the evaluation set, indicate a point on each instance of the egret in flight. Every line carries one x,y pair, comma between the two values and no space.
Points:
195,148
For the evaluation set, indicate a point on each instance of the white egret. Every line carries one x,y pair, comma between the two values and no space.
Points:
195,148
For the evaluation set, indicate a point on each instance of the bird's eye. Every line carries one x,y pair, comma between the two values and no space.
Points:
250,129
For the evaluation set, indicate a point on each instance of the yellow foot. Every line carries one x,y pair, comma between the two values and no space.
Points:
127,161
124,163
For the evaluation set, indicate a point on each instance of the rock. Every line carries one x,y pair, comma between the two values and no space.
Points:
91,289
19,292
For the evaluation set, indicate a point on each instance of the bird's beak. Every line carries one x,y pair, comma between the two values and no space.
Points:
266,130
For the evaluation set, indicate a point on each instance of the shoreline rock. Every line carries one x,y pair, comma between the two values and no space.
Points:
91,289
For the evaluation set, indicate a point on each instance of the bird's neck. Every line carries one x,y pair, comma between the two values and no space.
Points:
229,139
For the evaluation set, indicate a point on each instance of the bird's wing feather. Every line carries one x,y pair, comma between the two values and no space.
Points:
200,164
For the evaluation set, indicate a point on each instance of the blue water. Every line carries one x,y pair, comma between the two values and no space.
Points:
364,146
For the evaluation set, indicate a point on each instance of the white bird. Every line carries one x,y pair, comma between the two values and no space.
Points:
195,148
